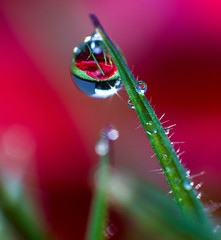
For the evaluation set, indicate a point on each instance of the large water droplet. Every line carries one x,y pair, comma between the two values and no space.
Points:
141,87
187,185
130,104
93,69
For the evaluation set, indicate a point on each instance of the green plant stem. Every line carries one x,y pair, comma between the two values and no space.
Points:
98,215
19,218
190,206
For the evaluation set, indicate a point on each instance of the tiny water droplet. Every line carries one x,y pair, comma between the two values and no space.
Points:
167,130
170,192
187,185
110,231
93,69
167,170
180,199
177,181
150,123
188,173
199,185
141,87
216,229
199,195
150,128
164,156
102,147
130,104
112,134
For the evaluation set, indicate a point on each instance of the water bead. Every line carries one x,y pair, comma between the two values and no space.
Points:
113,134
130,104
199,195
93,69
187,185
141,87
102,147
150,128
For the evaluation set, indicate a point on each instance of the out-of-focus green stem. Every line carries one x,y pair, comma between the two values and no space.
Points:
98,215
19,218
183,192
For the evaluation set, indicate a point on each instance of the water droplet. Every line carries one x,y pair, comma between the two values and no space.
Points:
93,69
150,128
141,87
164,156
167,130
130,104
167,170
188,173
199,195
110,231
112,134
187,185
199,185
180,199
216,229
177,181
102,147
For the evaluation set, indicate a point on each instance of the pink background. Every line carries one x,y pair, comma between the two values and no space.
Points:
174,46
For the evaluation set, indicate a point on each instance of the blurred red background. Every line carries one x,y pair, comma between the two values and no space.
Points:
174,46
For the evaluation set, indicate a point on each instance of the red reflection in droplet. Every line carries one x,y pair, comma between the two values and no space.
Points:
92,69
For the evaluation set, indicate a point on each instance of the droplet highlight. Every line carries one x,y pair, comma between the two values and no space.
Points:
150,128
141,87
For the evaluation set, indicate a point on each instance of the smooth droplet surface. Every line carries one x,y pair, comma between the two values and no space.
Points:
187,186
141,87
130,104
93,69
150,128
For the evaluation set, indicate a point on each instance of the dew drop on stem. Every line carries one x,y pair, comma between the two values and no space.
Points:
141,87
187,185
130,104
93,69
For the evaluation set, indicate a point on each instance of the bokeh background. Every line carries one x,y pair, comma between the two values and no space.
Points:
48,128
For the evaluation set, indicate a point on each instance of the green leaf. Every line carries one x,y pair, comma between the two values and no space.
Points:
185,196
